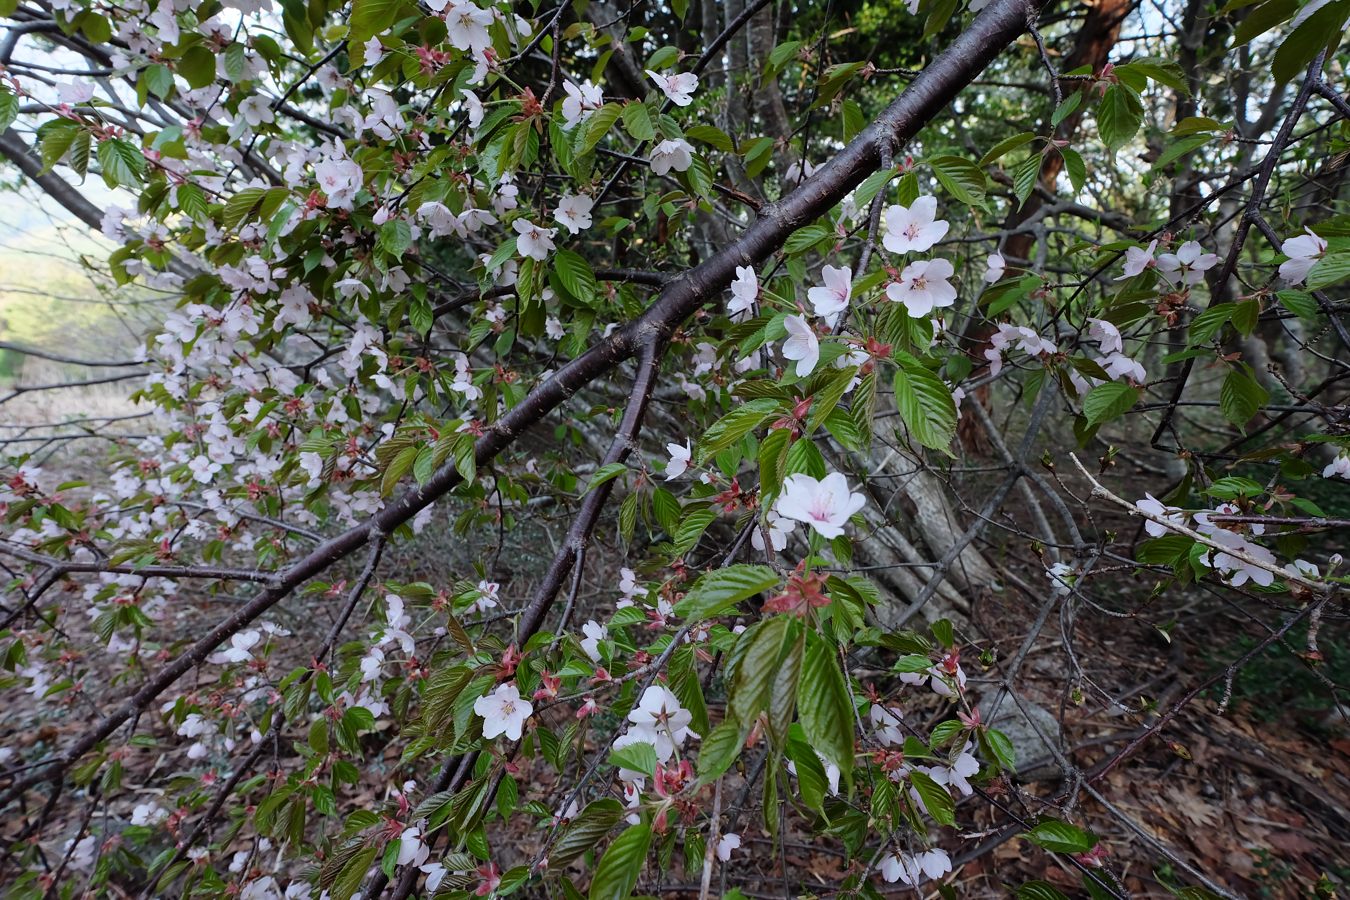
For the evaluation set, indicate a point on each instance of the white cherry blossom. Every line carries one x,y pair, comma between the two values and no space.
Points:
580,102
915,228
1137,260
595,633
1188,265
727,843
1303,251
801,345
744,291
574,212
680,456
678,87
672,156
503,712
1338,467
994,268
829,300
533,240
824,504
923,287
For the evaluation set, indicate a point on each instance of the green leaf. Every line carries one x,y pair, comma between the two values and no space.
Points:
755,667
1119,115
1330,269
824,704
1007,145
1207,324
1075,168
1025,177
713,137
1040,890
1262,19
1109,401
576,276
926,406
353,873
638,121
1300,304
719,750
720,590
370,17
935,798
607,472
198,67
597,126
1323,30
586,830
735,425
1241,397
962,178
121,161
1061,837
9,108
619,868
638,757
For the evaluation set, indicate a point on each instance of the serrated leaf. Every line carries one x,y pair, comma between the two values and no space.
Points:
735,425
962,178
1119,115
926,406
636,757
720,590
585,831
1061,837
936,800
619,868
1109,401
824,705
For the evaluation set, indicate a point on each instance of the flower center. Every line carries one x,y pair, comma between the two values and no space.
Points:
823,506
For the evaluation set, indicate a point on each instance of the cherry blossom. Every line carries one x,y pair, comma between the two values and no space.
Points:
574,212
595,633
829,300
1062,579
801,345
411,848
1188,265
1106,335
1338,467
503,712
672,156
467,26
533,240
956,773
913,229
580,102
680,456
825,505
923,287
744,291
912,870
1155,507
1303,251
727,843
886,720
1137,260
240,649
994,268
778,528
678,87
1234,569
